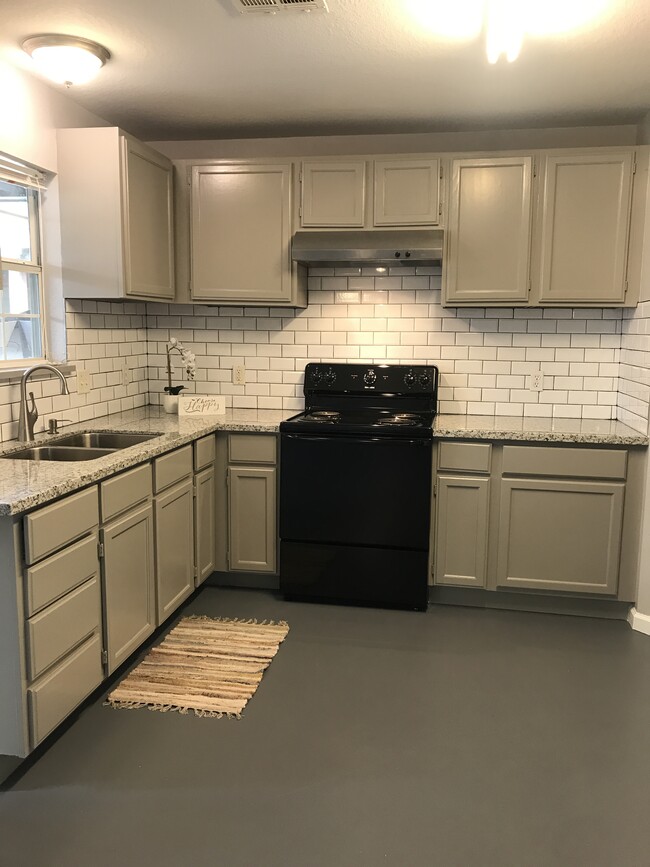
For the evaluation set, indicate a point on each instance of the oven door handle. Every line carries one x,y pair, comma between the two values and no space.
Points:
360,440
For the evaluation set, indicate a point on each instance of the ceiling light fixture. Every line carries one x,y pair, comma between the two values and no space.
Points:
66,59
504,29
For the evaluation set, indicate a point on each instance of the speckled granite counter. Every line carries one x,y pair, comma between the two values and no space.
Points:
26,484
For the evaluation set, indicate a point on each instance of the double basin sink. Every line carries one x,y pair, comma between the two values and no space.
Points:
81,446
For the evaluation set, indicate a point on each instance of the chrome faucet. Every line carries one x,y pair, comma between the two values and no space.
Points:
28,415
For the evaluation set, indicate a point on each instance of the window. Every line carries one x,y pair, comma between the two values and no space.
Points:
21,296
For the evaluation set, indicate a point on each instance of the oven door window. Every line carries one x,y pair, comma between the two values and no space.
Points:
355,491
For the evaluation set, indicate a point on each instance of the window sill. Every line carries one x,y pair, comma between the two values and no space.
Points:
13,374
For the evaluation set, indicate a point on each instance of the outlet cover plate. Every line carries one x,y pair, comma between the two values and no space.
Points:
83,380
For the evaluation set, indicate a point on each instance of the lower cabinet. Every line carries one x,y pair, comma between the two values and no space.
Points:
461,530
174,522
252,518
129,584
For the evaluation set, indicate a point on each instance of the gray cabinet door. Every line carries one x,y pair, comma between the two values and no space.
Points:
407,192
560,535
241,233
333,194
129,584
174,533
460,554
147,183
252,520
586,209
489,231
205,523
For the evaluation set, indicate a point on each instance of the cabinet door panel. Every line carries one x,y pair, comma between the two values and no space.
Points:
333,194
129,584
148,221
586,214
488,249
407,192
252,518
174,525
241,233
557,535
461,531
205,523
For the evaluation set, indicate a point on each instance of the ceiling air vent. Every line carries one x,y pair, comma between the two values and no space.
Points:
273,6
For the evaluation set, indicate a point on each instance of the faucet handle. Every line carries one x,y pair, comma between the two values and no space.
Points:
32,412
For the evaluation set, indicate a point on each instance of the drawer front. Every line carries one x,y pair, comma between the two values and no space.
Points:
172,468
564,463
469,457
204,452
61,573
251,449
52,527
125,491
62,689
62,626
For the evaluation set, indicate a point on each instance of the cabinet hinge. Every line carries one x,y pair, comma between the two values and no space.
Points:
626,286
100,550
435,490
300,176
104,657
300,211
440,209
634,163
534,168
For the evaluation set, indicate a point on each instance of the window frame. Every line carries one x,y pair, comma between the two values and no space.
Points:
31,180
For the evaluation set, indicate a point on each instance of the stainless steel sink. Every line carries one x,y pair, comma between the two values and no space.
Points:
103,440
58,453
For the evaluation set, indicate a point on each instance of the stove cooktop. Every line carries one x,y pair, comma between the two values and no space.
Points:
360,422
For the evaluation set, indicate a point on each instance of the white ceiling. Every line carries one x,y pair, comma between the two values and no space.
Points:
199,69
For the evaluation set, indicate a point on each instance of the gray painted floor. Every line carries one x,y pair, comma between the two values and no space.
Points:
459,737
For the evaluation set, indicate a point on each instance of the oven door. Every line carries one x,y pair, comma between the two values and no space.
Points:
362,491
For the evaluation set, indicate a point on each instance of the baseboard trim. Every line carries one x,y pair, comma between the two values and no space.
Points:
639,622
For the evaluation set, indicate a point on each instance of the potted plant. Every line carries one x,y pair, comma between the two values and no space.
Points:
188,360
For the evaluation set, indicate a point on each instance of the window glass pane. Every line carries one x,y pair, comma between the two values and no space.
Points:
15,240
20,292
22,337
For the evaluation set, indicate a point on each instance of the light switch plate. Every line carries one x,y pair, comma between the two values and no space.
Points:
83,380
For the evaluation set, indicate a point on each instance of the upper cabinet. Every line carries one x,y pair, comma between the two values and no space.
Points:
333,194
116,216
240,226
584,223
407,192
488,233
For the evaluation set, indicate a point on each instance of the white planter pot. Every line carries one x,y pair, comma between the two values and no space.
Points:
170,403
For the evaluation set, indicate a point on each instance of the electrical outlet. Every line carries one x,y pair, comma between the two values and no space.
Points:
536,381
83,380
239,374
126,373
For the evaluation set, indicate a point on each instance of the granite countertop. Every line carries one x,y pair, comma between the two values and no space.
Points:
26,484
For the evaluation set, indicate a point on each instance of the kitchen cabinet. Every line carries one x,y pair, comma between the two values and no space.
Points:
128,568
406,192
241,225
174,530
584,227
205,521
461,508
116,216
333,194
489,231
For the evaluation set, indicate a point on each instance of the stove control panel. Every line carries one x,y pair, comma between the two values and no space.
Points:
364,379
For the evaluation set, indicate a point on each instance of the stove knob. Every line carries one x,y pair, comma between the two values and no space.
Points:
330,377
370,377
424,379
316,376
409,379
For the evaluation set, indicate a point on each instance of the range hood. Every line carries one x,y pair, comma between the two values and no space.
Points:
379,248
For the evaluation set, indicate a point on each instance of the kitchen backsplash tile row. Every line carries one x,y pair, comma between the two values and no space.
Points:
485,355
634,378
102,338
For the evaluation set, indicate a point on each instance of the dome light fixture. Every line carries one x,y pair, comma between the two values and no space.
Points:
66,59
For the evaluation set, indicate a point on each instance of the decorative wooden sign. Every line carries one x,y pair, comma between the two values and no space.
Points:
201,404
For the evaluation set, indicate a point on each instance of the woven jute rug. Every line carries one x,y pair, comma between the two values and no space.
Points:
209,666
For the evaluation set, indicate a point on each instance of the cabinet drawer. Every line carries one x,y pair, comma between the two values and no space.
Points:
60,627
61,573
204,452
251,449
124,491
66,686
564,463
52,527
171,468
471,457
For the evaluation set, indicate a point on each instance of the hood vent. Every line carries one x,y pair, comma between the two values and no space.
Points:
380,248
273,6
